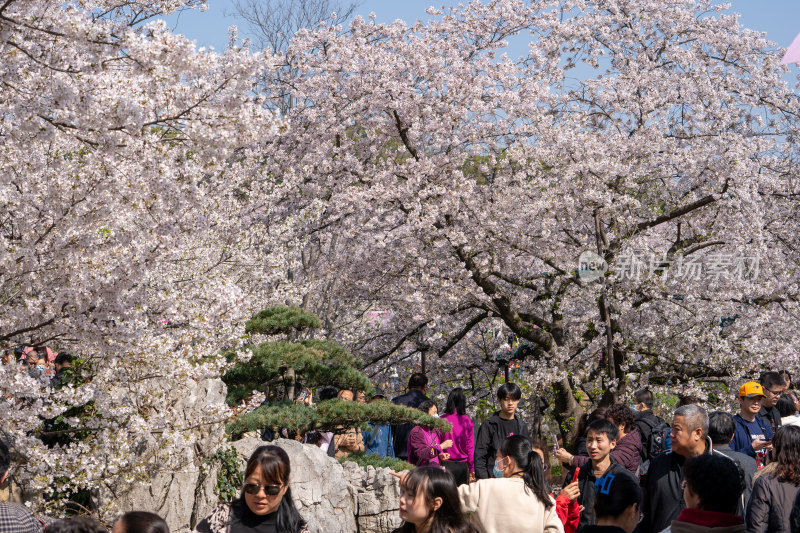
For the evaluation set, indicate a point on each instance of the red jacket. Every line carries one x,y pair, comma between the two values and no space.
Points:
568,511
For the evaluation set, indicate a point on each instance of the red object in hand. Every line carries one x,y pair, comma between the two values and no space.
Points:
568,511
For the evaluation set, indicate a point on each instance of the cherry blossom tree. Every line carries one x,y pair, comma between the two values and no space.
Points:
464,190
131,233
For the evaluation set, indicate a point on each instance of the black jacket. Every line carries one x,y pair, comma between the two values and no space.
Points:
489,439
663,495
771,415
586,483
412,398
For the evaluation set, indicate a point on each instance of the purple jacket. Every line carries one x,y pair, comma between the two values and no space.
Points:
424,446
463,437
626,452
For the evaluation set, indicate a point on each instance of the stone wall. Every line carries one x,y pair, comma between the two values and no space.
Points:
377,498
332,497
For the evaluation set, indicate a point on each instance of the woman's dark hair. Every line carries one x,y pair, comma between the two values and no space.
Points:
615,493
430,482
519,448
621,414
456,402
716,480
786,405
540,444
509,390
274,465
142,522
426,406
786,445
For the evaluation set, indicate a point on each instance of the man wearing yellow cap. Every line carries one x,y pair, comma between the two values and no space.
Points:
752,433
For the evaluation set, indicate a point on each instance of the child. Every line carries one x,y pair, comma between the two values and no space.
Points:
601,438
504,423
429,503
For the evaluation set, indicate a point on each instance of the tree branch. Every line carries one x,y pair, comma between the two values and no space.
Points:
506,311
474,321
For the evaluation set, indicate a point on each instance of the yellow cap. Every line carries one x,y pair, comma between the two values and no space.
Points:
750,389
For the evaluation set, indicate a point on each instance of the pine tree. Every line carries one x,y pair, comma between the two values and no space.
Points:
294,362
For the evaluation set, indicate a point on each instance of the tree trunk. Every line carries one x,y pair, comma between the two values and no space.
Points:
567,410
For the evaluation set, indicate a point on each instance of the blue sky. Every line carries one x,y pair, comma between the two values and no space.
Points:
780,19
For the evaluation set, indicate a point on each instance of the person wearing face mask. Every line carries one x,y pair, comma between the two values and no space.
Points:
517,500
425,445
36,365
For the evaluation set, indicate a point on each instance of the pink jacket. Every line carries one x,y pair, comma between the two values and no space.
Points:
463,437
424,446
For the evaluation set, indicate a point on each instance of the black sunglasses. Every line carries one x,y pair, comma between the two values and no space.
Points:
269,490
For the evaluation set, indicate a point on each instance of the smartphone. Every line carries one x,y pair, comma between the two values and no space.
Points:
302,396
555,443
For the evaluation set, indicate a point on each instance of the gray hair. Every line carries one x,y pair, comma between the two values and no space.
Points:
695,417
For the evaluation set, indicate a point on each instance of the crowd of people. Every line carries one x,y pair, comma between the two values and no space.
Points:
627,471
40,362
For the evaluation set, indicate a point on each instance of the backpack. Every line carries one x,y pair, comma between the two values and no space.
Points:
656,440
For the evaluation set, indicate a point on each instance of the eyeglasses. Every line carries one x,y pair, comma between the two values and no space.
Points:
255,488
775,393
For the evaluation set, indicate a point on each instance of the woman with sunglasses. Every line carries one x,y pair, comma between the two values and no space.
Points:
265,504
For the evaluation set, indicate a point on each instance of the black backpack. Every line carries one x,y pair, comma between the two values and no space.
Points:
655,436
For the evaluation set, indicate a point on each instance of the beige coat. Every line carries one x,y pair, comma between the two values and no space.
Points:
503,505
342,450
